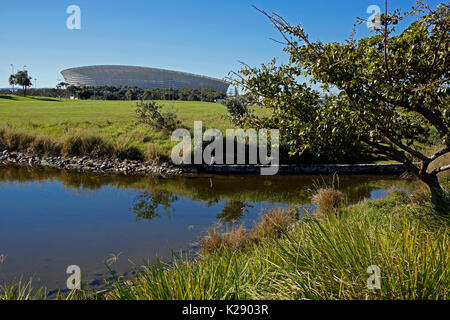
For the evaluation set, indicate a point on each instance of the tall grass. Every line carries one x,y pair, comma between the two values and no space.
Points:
22,290
75,142
326,196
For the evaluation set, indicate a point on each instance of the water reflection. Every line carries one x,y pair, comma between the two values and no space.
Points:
146,205
207,189
232,212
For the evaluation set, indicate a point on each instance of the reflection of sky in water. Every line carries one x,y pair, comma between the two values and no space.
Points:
378,193
46,226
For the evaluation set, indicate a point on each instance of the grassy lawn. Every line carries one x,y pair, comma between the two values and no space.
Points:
112,121
48,112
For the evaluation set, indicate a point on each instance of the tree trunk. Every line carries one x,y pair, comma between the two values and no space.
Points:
438,197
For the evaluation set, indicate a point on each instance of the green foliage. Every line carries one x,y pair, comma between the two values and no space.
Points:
111,96
22,79
149,113
161,94
131,94
84,94
186,94
391,88
237,107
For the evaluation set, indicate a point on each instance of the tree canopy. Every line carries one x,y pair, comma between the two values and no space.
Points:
21,78
390,90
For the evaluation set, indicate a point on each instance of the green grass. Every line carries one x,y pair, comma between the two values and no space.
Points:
113,122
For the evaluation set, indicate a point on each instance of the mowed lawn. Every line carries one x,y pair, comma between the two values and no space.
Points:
114,121
22,111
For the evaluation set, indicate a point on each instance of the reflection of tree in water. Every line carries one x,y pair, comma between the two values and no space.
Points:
233,211
146,204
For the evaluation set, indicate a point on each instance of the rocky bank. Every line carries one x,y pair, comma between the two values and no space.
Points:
86,164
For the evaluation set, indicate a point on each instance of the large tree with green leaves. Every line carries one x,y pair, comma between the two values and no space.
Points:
389,90
21,78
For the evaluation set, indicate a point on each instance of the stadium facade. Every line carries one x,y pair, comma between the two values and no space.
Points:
141,77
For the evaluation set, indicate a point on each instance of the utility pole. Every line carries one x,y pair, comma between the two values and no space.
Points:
12,67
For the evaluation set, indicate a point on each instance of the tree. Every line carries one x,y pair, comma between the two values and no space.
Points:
84,94
62,85
391,88
131,94
21,78
149,113
237,107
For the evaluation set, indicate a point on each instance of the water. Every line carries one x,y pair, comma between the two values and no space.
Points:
52,219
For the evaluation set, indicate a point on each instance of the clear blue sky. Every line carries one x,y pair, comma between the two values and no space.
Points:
200,36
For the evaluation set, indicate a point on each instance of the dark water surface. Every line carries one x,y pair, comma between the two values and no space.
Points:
52,219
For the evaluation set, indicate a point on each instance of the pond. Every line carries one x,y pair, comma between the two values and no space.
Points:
52,219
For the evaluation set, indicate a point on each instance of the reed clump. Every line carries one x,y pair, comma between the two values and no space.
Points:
75,143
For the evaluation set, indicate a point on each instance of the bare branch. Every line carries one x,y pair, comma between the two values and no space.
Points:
284,27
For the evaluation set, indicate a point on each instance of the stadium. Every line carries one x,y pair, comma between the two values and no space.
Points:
141,77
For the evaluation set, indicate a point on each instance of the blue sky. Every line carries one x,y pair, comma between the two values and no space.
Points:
207,37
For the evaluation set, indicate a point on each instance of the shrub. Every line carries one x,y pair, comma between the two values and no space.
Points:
237,238
124,149
111,96
327,200
151,153
79,143
149,113
16,140
84,94
273,223
131,94
237,106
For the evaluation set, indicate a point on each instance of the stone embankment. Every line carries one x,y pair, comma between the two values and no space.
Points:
86,164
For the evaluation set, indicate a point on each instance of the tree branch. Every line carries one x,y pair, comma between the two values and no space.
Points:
394,154
441,169
440,154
